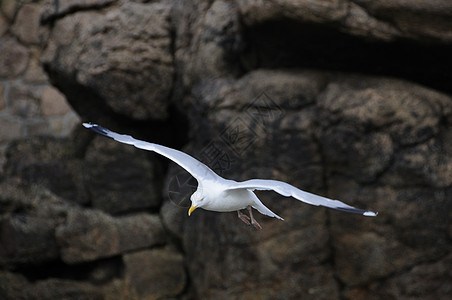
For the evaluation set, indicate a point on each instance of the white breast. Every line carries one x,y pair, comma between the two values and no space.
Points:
229,200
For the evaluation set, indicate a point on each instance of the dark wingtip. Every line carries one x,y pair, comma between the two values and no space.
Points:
358,211
96,128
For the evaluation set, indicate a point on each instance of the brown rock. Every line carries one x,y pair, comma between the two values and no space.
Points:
68,5
120,177
307,11
13,286
35,74
413,221
27,24
10,129
64,126
262,259
427,281
369,253
59,11
65,289
140,231
38,127
88,235
173,217
361,121
375,103
382,19
154,274
428,163
53,102
28,220
373,142
133,37
207,40
304,249
50,163
424,281
3,25
419,20
361,22
345,149
2,96
55,126
27,240
23,101
2,158
9,8
14,58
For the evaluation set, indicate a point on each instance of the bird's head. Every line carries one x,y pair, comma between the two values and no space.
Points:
197,200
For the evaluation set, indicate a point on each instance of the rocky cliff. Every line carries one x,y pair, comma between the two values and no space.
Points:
347,99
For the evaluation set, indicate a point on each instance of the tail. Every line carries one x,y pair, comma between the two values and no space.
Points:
260,207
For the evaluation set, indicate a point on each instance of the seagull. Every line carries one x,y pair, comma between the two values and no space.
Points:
216,193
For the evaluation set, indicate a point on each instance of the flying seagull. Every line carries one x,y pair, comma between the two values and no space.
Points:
216,193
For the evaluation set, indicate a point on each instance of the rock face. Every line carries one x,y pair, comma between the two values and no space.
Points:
165,279
347,144
14,58
380,19
120,183
122,54
347,99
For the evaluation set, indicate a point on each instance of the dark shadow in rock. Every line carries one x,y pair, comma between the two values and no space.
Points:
99,271
289,44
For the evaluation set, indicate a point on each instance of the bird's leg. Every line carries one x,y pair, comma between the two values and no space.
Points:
243,217
253,221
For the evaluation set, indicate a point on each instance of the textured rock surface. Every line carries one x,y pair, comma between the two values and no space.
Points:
121,178
14,58
352,144
347,99
26,93
27,24
89,235
154,274
28,221
50,163
122,54
380,19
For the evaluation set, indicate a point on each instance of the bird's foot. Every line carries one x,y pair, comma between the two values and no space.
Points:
256,225
253,220
244,217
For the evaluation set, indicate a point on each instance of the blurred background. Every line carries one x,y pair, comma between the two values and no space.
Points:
347,99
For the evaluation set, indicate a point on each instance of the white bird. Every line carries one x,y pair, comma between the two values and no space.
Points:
216,193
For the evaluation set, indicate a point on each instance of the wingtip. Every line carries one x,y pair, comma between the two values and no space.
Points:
370,214
98,129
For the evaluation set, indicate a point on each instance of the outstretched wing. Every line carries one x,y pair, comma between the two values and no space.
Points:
196,168
288,190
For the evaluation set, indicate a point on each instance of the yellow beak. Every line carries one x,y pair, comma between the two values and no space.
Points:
192,208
